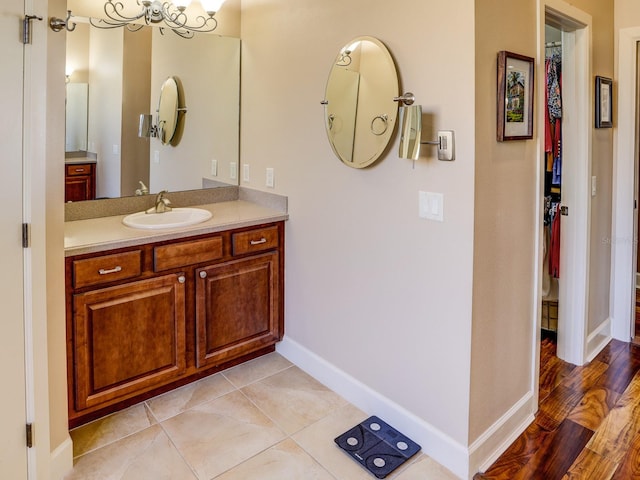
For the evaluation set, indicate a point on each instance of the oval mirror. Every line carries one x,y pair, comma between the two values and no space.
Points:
168,110
360,113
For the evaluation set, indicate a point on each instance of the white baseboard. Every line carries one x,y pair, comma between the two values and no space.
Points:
439,446
62,460
496,439
598,339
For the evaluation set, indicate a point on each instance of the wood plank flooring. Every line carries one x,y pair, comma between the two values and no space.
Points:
588,423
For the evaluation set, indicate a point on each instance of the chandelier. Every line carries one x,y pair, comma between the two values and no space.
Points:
170,15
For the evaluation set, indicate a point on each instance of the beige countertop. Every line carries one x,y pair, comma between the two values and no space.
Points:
106,233
79,160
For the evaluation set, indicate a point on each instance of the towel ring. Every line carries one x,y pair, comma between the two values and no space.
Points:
385,124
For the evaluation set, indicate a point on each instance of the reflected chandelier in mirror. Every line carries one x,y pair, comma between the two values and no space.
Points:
360,111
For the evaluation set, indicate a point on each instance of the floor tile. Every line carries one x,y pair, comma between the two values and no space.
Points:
189,396
256,369
285,460
293,399
317,440
218,435
111,428
146,455
425,467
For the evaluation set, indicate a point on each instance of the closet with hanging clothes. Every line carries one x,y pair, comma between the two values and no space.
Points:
552,186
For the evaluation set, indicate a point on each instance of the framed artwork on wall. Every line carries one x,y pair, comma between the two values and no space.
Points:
515,96
604,103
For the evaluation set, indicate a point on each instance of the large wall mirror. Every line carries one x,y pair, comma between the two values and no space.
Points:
360,112
123,72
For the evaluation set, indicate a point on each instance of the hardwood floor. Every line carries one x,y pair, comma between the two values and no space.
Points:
588,424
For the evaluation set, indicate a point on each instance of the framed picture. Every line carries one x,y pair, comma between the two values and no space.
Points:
515,96
604,104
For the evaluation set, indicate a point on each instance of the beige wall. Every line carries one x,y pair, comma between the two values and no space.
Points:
602,12
505,221
136,92
505,186
371,288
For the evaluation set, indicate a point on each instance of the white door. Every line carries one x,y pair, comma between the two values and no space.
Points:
13,451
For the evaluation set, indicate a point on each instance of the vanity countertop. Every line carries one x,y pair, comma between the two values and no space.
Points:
107,233
79,160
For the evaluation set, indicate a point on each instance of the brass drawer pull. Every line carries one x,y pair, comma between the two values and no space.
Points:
102,271
259,242
79,169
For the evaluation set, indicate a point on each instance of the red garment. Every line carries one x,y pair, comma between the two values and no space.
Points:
554,247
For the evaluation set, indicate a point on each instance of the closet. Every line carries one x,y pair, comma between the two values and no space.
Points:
552,181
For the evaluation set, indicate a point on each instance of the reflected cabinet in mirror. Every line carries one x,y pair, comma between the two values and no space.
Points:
360,111
125,72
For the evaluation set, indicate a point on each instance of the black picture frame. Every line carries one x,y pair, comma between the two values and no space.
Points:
515,96
604,102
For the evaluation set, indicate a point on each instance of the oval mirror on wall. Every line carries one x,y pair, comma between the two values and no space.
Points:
168,110
360,113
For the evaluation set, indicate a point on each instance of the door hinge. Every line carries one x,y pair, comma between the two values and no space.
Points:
26,235
29,435
26,28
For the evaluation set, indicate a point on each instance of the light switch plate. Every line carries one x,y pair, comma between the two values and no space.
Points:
245,173
594,184
431,206
233,170
446,147
270,180
214,167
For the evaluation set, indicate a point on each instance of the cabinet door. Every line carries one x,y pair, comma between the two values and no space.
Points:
236,308
128,339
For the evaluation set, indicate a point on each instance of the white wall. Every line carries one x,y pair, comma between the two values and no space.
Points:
372,289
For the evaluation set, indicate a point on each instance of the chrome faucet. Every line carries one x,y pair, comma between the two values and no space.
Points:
162,203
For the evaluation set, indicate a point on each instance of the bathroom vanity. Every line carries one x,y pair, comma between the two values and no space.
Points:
79,179
148,311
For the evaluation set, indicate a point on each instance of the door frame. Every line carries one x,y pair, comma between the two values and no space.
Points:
623,275
576,27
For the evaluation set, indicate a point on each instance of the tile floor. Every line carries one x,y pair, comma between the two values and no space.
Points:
265,419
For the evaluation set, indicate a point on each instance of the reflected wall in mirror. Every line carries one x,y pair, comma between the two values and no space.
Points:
77,104
124,71
361,114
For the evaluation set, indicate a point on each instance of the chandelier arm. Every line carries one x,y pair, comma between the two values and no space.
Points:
113,10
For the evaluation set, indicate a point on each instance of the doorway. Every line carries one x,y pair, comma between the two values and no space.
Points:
569,28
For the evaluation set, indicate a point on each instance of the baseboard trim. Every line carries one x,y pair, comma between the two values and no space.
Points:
62,460
488,447
439,446
598,339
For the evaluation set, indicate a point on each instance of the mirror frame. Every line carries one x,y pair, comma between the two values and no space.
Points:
360,111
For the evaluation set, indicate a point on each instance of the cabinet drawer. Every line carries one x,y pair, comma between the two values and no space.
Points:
178,255
107,268
78,170
255,240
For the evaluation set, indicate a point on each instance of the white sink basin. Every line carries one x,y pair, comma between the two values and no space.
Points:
178,217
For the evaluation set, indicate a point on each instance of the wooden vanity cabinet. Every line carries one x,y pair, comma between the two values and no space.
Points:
146,319
80,182
128,338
